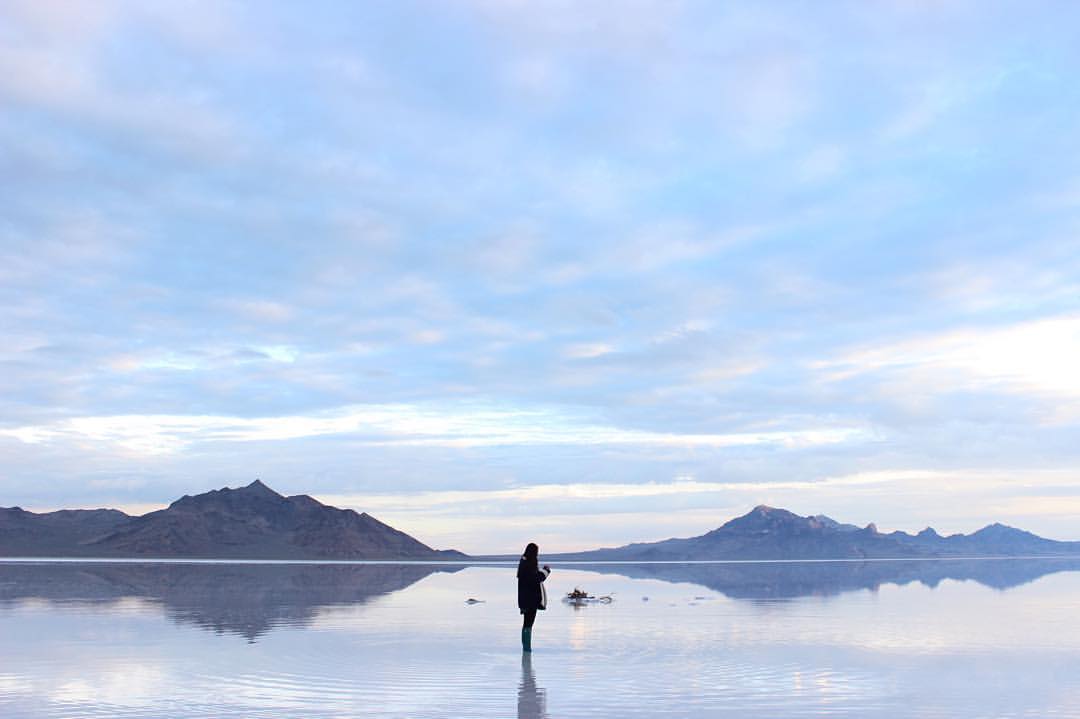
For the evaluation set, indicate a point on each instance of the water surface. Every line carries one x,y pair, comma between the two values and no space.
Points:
994,638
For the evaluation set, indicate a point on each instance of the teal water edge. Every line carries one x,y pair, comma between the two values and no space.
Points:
956,638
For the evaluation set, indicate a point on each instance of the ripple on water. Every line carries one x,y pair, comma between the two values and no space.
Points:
419,652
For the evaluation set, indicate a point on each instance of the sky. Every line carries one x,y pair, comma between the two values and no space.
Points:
580,273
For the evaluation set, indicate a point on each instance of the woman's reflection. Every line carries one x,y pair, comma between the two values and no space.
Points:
532,701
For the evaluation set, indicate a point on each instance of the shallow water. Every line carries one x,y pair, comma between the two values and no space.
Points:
992,638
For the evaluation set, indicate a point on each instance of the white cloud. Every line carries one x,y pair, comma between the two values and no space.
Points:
615,490
175,120
401,425
202,359
588,350
63,22
1037,357
59,65
260,310
659,245
951,500
1027,279
427,337
728,371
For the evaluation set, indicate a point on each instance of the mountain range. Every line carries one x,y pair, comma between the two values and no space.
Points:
767,533
255,522
252,522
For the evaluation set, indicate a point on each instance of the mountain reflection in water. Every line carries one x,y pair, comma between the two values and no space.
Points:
249,600
791,580
244,599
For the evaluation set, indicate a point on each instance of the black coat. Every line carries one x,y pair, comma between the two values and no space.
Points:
529,593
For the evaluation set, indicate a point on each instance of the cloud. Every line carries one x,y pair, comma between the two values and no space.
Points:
190,124
261,310
1032,358
575,244
587,492
61,21
400,425
659,245
60,64
1034,279
952,500
588,350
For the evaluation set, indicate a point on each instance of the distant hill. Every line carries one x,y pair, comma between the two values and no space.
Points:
25,533
770,533
255,522
252,522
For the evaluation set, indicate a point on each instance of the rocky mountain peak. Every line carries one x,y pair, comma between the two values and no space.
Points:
254,521
257,487
999,530
764,518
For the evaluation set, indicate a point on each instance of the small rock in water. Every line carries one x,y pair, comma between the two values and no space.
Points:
470,600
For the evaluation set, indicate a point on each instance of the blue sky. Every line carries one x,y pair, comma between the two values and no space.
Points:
579,273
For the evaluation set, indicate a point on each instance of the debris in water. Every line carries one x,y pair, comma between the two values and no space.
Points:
579,598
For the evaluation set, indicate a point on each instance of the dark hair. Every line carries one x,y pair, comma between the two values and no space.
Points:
528,559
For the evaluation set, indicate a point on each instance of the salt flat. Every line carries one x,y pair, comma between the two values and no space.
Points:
989,638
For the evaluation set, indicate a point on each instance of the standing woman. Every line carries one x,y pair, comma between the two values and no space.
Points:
531,595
